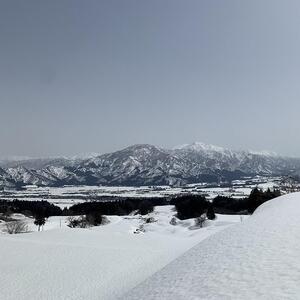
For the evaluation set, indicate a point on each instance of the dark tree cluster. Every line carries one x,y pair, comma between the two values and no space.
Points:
40,210
145,207
30,208
258,197
91,219
229,205
192,206
187,206
93,210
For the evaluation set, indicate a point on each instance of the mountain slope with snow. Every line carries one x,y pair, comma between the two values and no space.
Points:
145,164
258,259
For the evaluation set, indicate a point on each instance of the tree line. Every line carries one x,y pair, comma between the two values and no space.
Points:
187,206
247,205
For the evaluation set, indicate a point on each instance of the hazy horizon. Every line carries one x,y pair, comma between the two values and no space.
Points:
98,76
90,154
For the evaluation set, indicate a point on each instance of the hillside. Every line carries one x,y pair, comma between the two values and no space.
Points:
148,165
97,263
257,259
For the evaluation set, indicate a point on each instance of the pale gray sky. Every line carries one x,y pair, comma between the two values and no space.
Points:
95,76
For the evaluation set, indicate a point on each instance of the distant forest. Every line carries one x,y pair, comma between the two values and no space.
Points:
187,206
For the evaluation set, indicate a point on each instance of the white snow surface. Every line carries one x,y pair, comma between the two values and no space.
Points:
103,262
198,146
256,259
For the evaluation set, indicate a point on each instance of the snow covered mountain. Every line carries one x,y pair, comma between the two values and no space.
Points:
145,164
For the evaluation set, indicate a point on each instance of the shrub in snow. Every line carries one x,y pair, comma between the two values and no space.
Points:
15,227
105,220
173,221
140,229
94,218
200,221
150,220
91,219
77,222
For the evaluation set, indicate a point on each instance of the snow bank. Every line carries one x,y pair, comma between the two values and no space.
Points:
98,263
257,259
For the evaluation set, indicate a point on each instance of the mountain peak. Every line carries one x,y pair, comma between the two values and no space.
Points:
199,146
144,164
143,147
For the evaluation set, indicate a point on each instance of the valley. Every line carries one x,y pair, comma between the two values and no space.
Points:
69,195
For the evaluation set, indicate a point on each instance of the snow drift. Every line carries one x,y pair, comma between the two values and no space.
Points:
102,262
257,259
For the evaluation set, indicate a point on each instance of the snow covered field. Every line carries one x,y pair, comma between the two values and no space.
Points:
70,195
256,259
232,257
98,263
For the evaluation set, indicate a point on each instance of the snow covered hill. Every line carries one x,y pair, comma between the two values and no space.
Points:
148,165
257,259
101,262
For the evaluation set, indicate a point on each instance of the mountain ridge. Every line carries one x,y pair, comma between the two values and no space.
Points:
145,164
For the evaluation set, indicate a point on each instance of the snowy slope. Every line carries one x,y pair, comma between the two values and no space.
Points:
98,263
144,164
257,259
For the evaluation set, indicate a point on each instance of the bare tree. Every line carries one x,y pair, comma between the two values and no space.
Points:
15,227
77,222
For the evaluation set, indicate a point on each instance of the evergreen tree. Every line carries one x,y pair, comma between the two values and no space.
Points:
210,213
39,221
256,198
